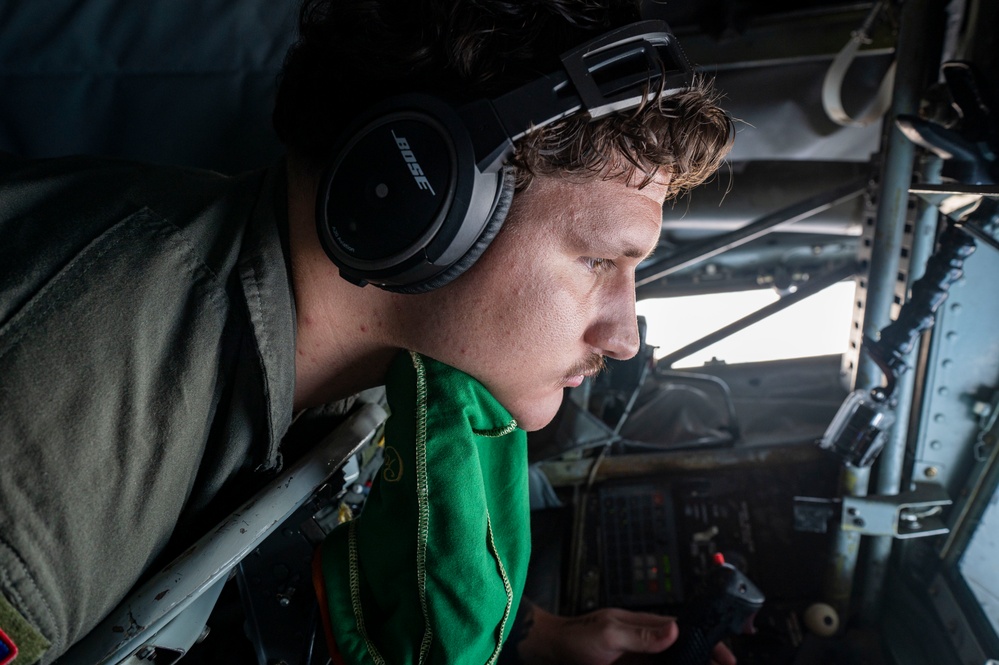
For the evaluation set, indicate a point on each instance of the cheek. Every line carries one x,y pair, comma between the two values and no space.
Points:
517,293
526,309
543,314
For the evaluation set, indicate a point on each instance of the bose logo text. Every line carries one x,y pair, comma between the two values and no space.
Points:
414,166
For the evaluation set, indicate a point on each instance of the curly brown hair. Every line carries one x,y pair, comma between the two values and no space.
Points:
462,49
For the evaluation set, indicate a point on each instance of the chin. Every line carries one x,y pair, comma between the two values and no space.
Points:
534,415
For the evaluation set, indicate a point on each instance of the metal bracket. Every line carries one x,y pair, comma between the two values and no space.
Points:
914,514
967,207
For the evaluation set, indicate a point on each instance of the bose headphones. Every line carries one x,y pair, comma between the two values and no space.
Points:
417,188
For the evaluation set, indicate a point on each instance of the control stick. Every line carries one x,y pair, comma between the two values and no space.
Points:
726,607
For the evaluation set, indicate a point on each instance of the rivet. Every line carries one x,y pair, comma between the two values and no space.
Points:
930,472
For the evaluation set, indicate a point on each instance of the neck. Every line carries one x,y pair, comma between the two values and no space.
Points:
345,338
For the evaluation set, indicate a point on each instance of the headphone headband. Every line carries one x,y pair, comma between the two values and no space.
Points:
609,74
411,194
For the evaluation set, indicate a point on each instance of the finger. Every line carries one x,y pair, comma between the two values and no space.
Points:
642,638
639,618
722,655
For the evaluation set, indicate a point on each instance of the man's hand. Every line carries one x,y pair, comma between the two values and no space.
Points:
602,637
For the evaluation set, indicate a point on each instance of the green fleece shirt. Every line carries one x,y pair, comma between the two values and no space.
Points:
433,570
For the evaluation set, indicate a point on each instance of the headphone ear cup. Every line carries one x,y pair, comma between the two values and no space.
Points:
502,206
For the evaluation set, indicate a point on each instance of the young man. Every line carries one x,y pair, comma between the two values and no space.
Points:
160,327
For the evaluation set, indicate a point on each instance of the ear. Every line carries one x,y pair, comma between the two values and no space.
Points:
493,225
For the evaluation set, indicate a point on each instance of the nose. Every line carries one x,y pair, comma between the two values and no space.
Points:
614,333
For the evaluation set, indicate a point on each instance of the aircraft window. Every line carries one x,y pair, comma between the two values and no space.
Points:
819,325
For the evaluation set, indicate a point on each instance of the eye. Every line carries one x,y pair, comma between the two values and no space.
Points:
596,264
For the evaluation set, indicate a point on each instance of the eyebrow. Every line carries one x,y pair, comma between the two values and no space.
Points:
636,253
623,246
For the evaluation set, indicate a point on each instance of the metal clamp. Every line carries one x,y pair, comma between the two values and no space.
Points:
914,514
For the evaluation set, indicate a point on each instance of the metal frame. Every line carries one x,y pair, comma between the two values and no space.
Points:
767,224
167,614
913,55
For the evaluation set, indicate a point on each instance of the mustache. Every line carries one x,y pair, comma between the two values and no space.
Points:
591,365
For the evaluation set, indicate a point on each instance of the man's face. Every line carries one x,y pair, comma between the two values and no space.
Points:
552,294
